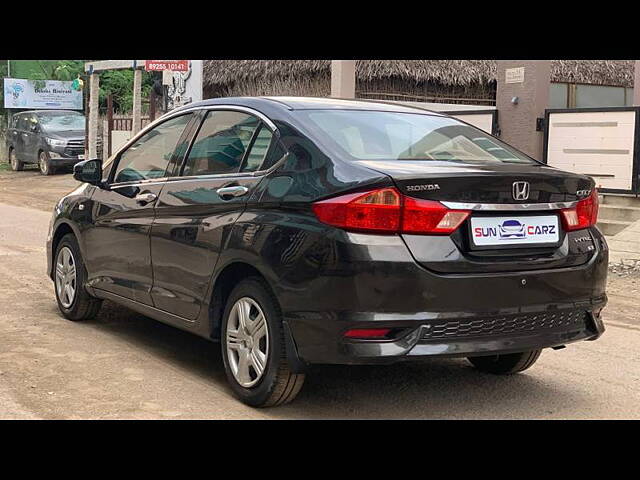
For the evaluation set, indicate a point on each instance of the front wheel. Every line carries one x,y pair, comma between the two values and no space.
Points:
70,274
253,348
44,162
505,364
16,165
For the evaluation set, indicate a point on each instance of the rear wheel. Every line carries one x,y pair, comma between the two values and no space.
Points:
70,274
505,364
16,165
44,162
253,348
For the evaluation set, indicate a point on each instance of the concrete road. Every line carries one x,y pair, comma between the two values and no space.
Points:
123,365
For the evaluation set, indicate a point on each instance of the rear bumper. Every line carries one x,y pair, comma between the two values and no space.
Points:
434,314
328,345
417,344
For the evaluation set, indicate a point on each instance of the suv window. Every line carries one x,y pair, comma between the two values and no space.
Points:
33,122
61,121
221,143
23,123
150,155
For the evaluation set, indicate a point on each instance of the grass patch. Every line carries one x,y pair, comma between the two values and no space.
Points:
4,167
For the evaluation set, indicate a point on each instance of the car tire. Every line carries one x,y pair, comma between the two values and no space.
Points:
44,164
505,364
80,305
276,384
16,165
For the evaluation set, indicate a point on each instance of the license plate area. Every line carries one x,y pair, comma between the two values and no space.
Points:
514,231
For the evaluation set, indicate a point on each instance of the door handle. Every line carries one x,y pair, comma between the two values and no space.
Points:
145,198
236,191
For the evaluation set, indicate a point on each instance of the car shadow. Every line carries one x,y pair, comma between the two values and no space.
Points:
434,388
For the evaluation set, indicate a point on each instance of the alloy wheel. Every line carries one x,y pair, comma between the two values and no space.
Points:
66,284
44,165
247,338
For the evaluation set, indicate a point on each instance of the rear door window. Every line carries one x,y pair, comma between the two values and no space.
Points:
259,150
221,143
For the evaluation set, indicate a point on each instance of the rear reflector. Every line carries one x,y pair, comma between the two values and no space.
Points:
368,333
583,215
388,211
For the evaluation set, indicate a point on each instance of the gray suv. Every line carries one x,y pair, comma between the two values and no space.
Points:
54,139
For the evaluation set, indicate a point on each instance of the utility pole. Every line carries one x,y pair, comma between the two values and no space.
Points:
167,79
343,78
94,98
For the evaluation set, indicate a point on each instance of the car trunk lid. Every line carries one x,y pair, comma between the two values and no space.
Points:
516,204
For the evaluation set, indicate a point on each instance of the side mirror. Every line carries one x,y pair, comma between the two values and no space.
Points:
34,128
89,171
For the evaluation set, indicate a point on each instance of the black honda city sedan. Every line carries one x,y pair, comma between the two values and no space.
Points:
300,231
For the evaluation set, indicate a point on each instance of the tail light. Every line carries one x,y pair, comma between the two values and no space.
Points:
377,211
583,215
387,211
427,216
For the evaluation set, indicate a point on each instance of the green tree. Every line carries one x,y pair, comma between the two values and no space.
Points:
120,84
41,70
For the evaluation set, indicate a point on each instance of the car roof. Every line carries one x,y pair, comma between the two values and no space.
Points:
310,103
313,103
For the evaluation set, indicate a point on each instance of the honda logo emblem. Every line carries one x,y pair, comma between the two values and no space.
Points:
520,190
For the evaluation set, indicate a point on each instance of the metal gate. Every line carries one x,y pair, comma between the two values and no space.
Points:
599,142
117,128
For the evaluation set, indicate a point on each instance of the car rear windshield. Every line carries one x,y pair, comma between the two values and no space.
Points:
62,121
377,135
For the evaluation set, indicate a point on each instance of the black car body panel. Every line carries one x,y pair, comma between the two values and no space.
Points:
460,182
174,259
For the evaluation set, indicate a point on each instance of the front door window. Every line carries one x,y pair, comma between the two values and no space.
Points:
150,155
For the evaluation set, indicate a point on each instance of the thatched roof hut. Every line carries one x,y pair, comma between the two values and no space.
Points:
452,81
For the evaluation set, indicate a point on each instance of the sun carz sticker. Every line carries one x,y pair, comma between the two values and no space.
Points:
514,230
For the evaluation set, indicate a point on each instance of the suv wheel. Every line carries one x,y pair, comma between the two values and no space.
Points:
253,348
74,301
44,162
16,165
505,364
